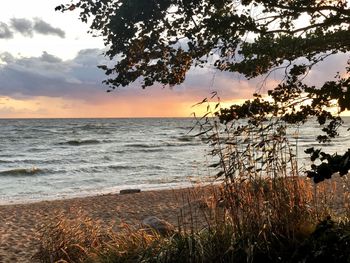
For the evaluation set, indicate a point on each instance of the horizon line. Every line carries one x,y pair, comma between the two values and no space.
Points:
131,117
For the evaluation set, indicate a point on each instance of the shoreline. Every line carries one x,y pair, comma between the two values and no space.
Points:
110,191
20,223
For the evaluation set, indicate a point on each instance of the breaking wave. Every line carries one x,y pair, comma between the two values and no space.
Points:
21,172
80,142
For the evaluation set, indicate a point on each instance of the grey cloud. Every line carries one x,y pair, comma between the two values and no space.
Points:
23,26
328,69
46,57
5,32
45,28
6,57
28,27
50,76
228,85
79,78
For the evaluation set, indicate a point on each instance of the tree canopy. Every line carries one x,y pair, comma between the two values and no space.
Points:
160,40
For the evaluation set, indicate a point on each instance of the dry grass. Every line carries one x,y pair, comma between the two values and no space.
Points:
267,218
264,211
69,240
85,240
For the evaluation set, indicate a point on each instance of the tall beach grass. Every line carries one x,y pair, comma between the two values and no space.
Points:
262,209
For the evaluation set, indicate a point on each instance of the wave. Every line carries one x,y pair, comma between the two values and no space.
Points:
146,150
37,150
90,127
102,169
79,142
164,146
119,167
5,161
130,167
186,138
181,144
141,145
21,172
96,126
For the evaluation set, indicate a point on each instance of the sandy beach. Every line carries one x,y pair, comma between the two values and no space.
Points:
19,224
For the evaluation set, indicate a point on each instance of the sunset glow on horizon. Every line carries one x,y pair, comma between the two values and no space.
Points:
45,107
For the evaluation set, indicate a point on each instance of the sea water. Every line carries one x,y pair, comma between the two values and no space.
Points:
44,159
55,158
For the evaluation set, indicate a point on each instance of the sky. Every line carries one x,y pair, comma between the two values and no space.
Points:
48,69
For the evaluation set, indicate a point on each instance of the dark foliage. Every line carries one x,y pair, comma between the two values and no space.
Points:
329,243
330,164
160,40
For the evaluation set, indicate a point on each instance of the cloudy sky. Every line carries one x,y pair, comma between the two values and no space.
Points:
48,69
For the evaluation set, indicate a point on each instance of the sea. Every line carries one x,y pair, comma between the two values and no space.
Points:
47,159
